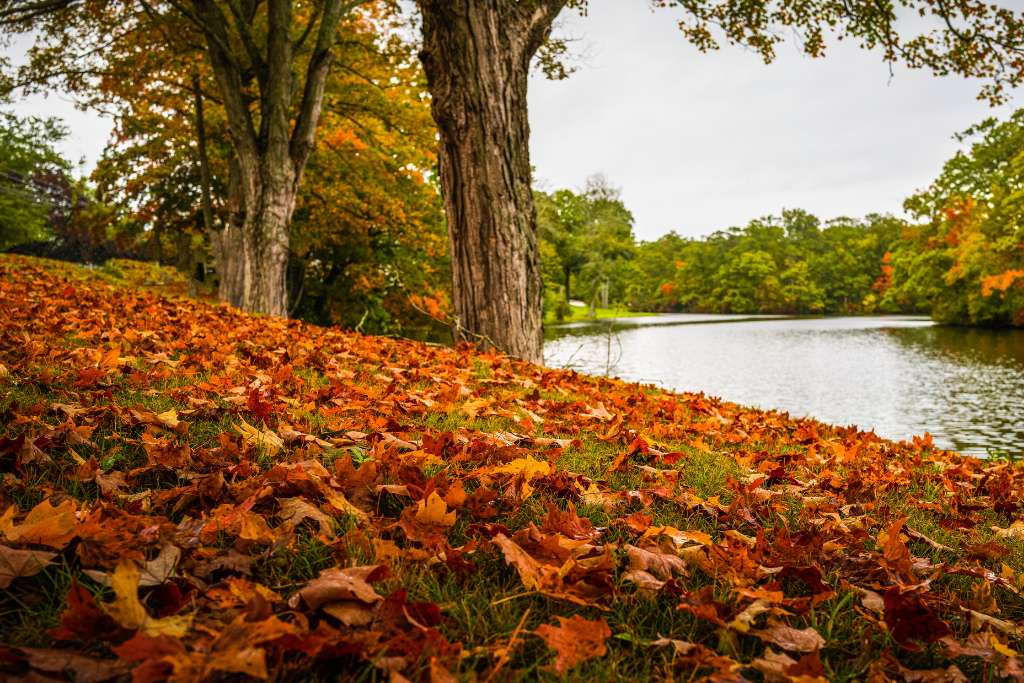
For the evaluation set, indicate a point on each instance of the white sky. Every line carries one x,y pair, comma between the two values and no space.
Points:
699,142
87,131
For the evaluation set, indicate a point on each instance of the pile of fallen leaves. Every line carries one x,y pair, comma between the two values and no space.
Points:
191,493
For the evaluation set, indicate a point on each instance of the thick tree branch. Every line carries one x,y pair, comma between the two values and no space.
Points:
243,25
316,78
14,12
229,78
276,92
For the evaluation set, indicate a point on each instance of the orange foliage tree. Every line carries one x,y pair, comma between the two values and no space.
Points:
367,231
965,262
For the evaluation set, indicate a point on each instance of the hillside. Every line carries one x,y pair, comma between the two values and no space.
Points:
193,493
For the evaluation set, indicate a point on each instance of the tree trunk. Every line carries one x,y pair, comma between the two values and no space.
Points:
476,55
252,249
227,242
265,253
568,276
204,159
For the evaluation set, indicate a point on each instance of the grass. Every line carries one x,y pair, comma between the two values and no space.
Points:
582,313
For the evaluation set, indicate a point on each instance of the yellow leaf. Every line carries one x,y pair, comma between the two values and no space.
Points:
252,527
129,612
433,510
745,619
1015,530
528,467
1002,649
264,440
473,408
678,536
45,524
339,502
169,418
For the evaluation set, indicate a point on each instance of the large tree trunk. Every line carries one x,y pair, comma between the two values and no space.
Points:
252,249
227,241
265,252
476,55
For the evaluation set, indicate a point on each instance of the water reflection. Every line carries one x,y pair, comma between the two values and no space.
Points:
897,375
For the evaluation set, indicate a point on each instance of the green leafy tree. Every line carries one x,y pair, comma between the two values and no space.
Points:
589,237
965,262
34,182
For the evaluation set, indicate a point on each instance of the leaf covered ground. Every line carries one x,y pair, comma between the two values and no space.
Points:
191,493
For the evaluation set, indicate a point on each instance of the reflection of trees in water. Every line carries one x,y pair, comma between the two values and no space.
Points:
582,358
963,344
964,385
975,384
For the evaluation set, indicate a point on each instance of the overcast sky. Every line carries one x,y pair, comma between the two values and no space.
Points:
698,142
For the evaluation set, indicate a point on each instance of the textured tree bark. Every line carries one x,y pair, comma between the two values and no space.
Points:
265,247
476,55
227,242
252,248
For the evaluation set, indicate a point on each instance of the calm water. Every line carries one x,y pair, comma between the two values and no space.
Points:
896,375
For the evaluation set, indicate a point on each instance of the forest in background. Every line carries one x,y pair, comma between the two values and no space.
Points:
369,248
959,258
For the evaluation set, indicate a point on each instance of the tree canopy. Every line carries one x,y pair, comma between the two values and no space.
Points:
964,261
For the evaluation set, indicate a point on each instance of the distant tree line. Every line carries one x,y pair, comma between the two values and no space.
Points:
793,263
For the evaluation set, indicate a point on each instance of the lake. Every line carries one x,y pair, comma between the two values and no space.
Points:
898,376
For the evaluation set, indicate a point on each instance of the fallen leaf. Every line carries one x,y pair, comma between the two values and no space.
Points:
16,564
743,621
151,573
433,510
528,467
129,612
789,638
352,583
44,524
575,640
910,619
85,669
294,511
1015,530
263,440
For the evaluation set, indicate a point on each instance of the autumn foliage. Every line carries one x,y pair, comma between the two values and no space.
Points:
191,493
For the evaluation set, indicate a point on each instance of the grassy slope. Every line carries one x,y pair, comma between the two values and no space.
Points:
580,313
782,501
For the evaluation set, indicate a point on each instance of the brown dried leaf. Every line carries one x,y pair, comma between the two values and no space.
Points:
352,583
789,638
16,564
575,640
